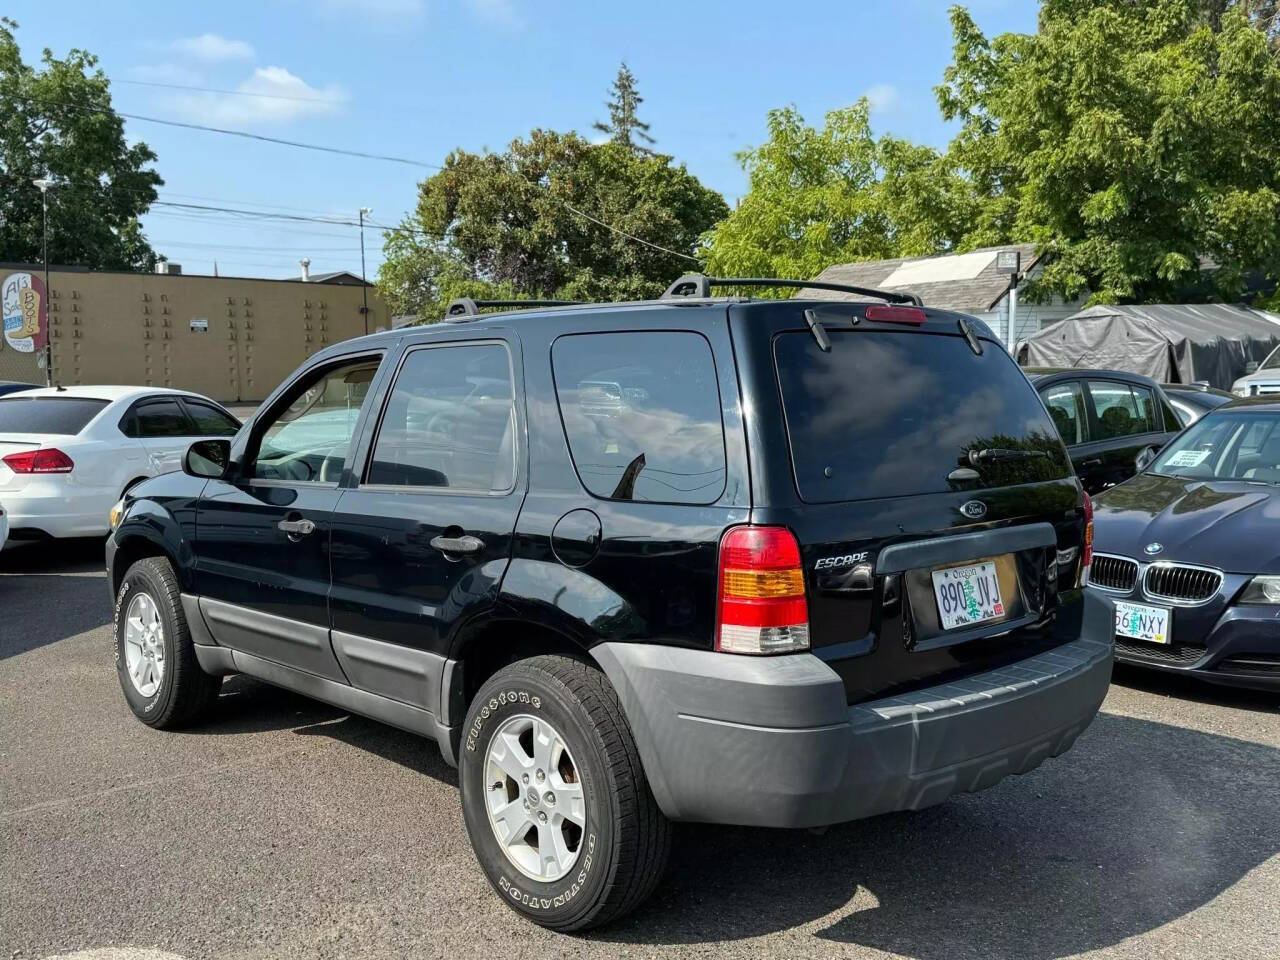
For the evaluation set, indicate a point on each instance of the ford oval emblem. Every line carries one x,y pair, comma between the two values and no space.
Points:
974,509
1151,549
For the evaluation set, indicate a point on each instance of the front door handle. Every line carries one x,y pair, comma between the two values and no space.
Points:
296,528
457,544
1091,463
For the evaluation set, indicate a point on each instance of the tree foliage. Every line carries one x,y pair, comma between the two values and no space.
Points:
1138,141
57,122
527,222
625,128
835,195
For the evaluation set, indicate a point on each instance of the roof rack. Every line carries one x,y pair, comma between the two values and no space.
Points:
698,285
466,307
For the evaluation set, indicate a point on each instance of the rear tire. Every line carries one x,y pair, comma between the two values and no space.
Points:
155,657
597,871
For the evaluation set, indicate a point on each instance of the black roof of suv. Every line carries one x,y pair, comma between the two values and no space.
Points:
770,562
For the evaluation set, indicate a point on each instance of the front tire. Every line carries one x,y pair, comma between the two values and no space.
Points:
555,799
155,658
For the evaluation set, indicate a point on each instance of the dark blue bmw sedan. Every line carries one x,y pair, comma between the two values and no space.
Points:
1189,550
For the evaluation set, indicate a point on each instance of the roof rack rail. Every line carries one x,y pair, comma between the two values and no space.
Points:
699,285
466,307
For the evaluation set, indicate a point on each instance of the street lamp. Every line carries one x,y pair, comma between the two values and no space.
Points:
44,184
364,282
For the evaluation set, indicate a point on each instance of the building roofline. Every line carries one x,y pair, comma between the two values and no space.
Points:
76,269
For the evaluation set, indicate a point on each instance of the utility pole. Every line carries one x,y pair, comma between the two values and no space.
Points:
1009,262
364,281
44,184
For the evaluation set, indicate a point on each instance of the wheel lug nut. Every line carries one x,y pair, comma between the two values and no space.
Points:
550,798
525,778
542,817
541,776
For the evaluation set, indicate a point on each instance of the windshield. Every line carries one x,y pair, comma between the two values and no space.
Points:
1273,360
896,414
44,415
1225,445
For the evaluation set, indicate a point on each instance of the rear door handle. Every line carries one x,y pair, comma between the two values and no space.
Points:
296,528
1091,463
457,544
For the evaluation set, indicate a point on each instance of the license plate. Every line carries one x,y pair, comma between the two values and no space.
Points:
1141,622
967,595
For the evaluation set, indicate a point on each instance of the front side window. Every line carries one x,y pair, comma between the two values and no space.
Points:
308,440
1225,446
1123,411
210,421
449,422
1065,402
161,418
641,412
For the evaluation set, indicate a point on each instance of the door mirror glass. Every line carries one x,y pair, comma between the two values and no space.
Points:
208,459
1144,458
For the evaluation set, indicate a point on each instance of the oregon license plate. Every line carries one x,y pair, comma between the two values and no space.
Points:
967,595
1141,622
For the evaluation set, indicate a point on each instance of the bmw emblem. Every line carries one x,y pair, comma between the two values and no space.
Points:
974,509
1151,549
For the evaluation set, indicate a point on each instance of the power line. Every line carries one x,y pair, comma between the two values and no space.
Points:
234,93
350,153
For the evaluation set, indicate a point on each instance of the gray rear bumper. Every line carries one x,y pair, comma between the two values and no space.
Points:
771,741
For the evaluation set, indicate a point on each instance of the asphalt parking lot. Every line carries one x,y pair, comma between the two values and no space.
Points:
288,829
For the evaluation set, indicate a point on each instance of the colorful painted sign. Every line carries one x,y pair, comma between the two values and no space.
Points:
25,311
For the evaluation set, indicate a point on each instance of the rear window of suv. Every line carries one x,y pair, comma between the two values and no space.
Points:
893,414
64,416
641,412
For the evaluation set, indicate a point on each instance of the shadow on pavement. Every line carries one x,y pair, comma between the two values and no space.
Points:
1140,824
1191,688
50,608
81,555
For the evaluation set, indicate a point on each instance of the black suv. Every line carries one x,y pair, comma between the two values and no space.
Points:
779,563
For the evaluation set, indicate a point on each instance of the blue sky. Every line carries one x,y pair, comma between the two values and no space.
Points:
416,78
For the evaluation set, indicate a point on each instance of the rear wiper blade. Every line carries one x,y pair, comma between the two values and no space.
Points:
995,454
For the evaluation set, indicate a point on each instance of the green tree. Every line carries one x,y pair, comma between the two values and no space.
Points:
1138,141
836,195
624,127
57,122
529,222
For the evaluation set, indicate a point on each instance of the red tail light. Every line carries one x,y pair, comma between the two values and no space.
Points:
761,606
913,315
51,460
1086,553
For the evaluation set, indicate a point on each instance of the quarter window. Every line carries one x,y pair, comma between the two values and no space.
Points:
307,442
641,412
449,422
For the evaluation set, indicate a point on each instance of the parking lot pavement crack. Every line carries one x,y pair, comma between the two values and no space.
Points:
203,772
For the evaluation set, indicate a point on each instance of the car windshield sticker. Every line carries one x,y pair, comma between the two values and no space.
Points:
1187,458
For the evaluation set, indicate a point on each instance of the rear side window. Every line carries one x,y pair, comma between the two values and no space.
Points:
642,415
1122,410
1065,402
449,422
56,415
888,414
161,418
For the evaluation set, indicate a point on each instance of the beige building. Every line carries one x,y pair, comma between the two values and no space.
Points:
231,338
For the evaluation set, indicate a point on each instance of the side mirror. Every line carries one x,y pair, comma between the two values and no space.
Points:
1144,457
1251,367
208,459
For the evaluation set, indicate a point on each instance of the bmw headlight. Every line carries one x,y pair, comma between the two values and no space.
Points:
116,515
1262,590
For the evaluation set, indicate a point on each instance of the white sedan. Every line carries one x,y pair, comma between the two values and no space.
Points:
67,455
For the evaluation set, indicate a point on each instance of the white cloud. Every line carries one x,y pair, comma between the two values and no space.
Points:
504,12
166,73
269,95
882,97
212,48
